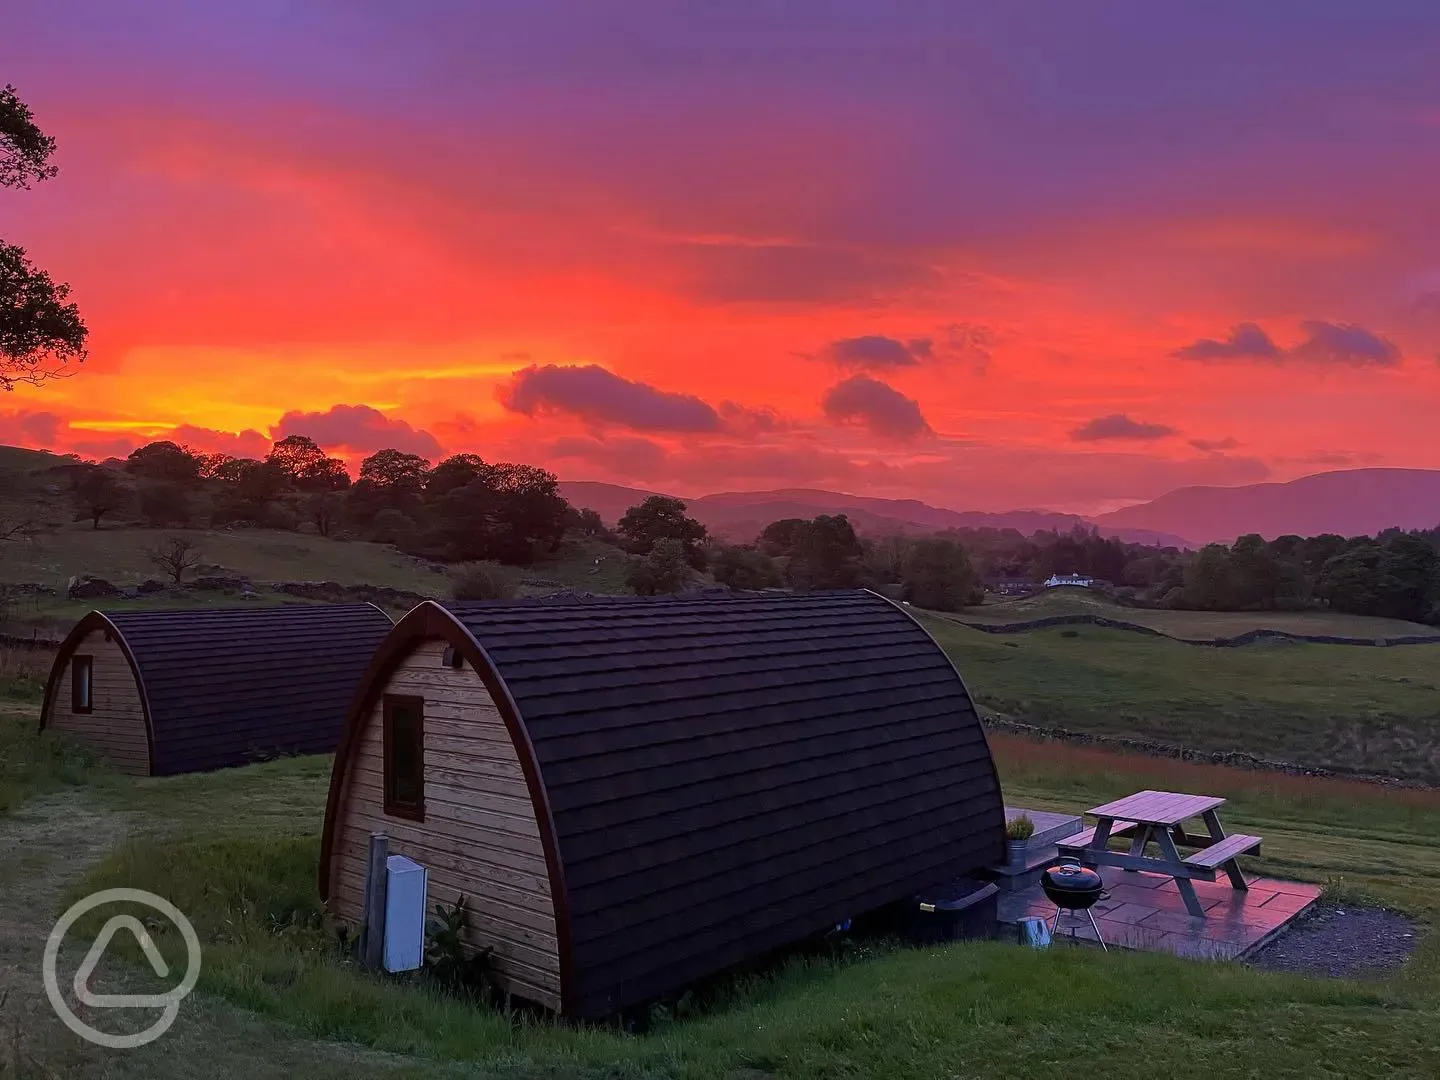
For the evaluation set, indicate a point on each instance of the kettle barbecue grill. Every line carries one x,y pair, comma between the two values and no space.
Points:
1074,888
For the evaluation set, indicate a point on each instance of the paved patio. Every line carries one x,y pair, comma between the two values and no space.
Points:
1145,911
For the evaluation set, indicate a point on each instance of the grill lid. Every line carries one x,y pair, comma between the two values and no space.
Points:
1069,878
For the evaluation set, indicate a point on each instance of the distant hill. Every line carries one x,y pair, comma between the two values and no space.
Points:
1351,502
741,515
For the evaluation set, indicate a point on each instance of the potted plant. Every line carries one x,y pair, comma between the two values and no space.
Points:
1019,830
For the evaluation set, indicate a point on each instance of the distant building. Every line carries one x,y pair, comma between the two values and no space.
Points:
1068,579
1010,586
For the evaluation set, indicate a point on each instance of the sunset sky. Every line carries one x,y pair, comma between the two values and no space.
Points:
989,255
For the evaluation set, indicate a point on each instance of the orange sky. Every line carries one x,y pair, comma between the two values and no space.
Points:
853,272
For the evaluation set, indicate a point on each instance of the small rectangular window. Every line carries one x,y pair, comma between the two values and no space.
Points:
82,684
404,757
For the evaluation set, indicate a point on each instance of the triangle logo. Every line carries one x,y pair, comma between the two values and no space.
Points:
97,950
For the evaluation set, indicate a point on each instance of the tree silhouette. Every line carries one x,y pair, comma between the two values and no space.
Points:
40,331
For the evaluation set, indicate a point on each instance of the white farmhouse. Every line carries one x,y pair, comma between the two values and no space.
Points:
1068,579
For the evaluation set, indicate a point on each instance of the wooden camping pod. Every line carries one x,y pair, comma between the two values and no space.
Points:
635,794
164,692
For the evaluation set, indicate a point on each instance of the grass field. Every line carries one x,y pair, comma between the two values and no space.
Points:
236,851
1197,625
1342,707
119,555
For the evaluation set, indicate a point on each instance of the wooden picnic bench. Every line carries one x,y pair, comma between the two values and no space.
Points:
1159,817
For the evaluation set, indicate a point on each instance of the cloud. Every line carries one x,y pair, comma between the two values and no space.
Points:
971,342
244,444
1210,446
40,430
1119,426
716,467
748,420
50,431
882,409
786,274
1332,344
358,429
623,456
594,394
1246,342
1345,343
877,352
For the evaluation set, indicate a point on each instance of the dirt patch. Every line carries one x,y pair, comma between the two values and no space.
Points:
1343,942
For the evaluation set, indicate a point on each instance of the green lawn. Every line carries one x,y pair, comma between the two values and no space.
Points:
1195,625
237,852
1343,707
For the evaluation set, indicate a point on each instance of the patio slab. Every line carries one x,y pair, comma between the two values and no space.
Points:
1145,911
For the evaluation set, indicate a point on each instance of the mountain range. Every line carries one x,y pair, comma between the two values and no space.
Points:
1350,502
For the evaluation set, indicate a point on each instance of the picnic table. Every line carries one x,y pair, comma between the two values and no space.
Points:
1159,817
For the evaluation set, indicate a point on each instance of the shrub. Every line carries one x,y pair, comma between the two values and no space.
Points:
454,967
666,569
164,504
1020,828
392,526
745,569
482,581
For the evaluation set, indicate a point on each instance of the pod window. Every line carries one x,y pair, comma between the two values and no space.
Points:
82,684
405,757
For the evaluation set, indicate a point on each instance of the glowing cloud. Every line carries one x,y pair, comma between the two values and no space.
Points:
880,408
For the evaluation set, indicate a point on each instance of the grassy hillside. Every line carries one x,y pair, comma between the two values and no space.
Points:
1192,624
119,556
1343,707
237,851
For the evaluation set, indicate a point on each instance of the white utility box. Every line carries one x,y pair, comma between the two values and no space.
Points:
406,885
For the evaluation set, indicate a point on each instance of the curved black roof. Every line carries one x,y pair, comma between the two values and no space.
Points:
729,773
229,686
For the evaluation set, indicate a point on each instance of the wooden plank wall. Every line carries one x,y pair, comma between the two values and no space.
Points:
116,725
479,837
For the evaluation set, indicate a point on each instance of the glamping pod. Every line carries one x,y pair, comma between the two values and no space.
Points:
163,692
634,794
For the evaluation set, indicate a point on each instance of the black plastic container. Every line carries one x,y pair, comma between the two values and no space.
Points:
963,908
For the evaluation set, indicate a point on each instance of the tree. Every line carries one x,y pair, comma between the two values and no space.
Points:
589,524
937,574
1399,579
452,473
306,466
165,503
395,472
826,555
744,569
391,526
660,518
250,487
505,513
213,466
665,569
1210,582
176,556
164,462
97,492
1256,573
884,557
324,509
40,331
783,537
